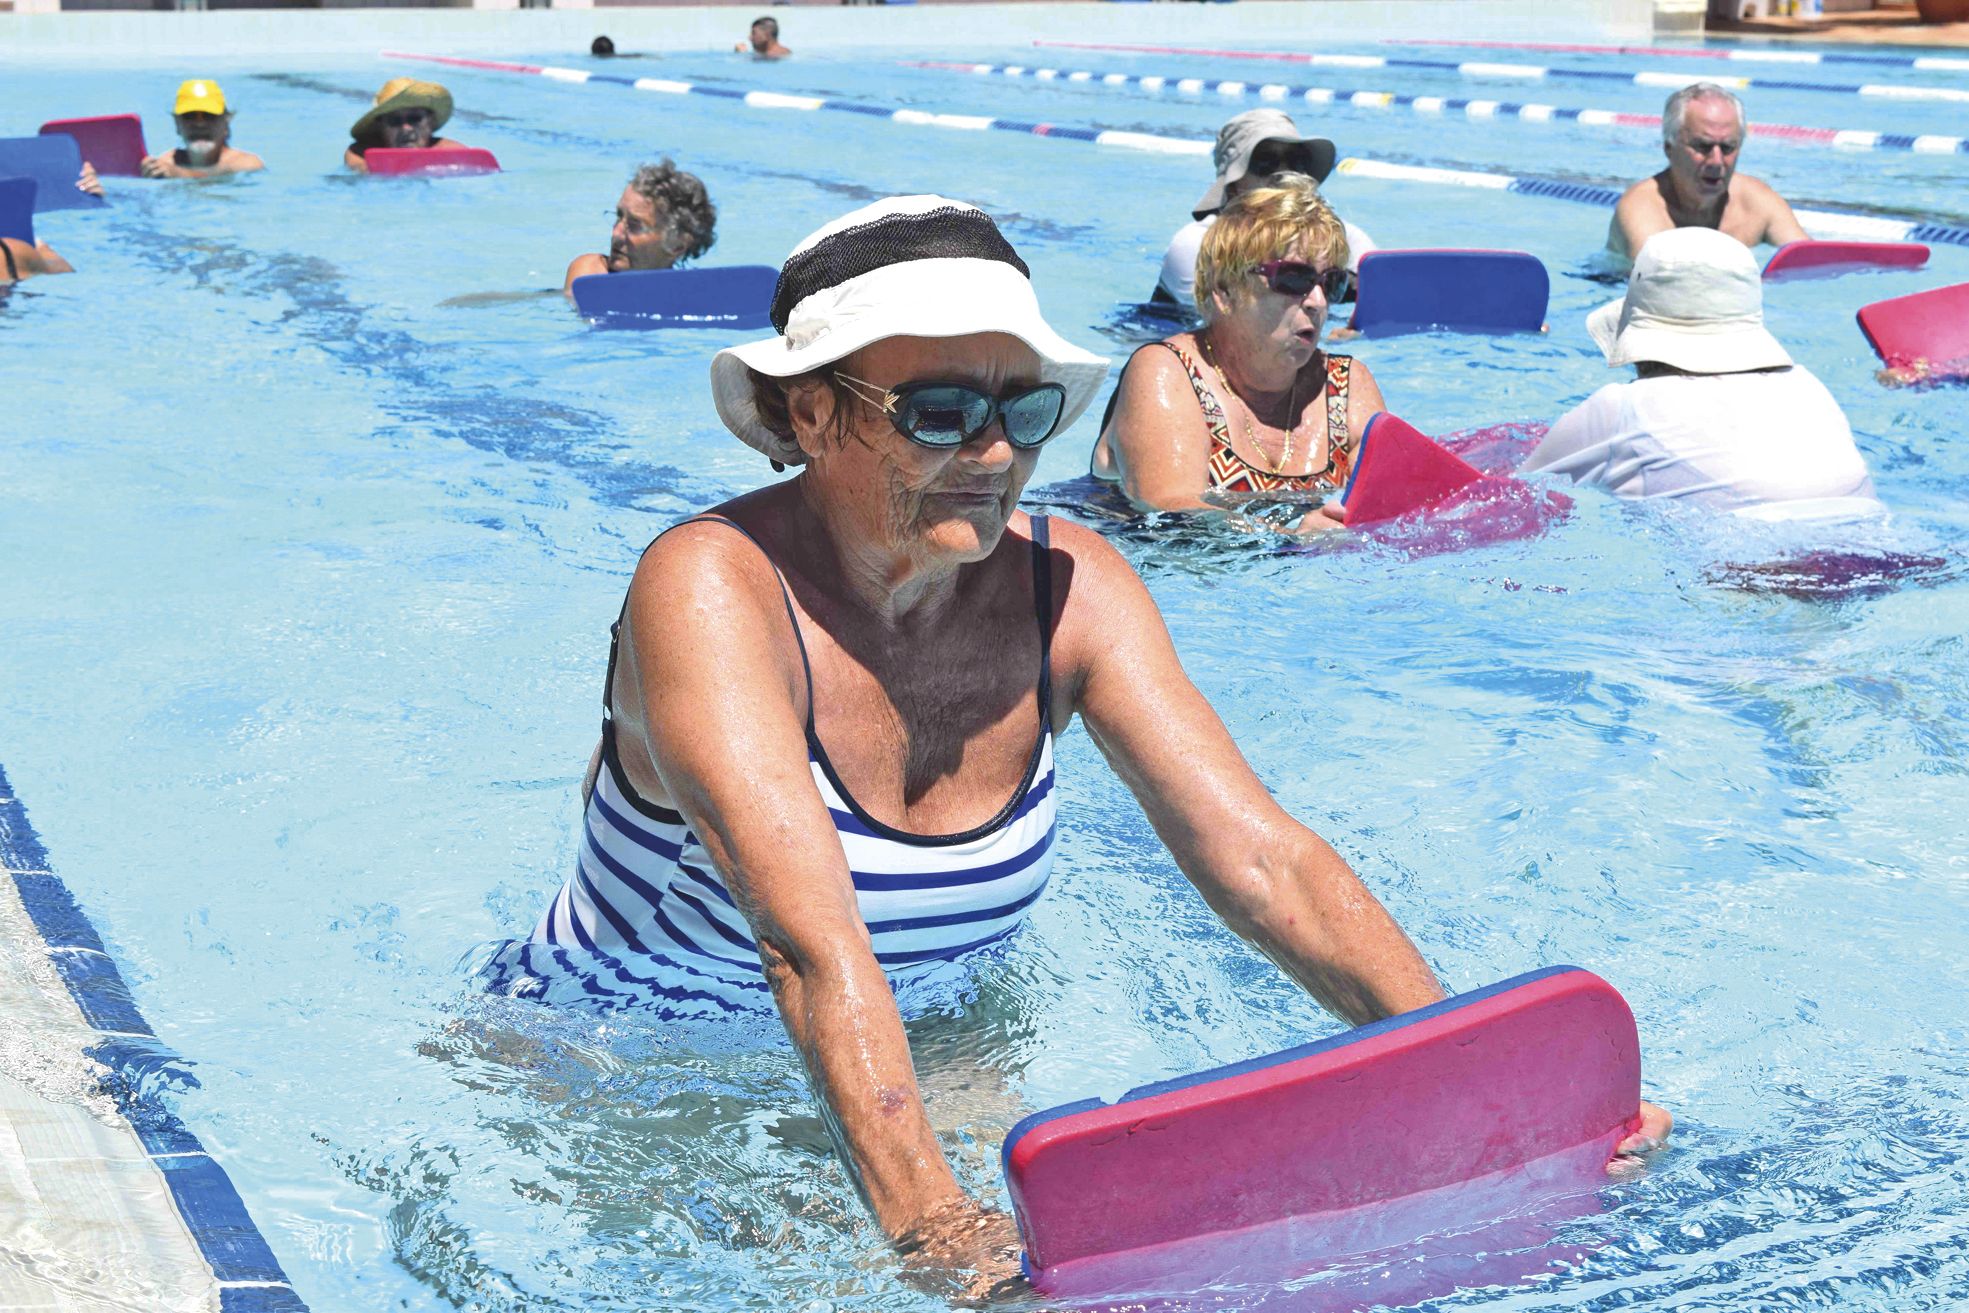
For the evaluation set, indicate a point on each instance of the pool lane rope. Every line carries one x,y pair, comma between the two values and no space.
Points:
1841,225
1533,72
1747,56
248,1275
1853,139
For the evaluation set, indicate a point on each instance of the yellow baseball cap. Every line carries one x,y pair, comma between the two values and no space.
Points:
197,96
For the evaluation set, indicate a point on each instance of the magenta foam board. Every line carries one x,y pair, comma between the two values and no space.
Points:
1808,259
1489,1100
1926,329
443,161
113,143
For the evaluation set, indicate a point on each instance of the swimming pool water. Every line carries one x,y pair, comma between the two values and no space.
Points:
309,565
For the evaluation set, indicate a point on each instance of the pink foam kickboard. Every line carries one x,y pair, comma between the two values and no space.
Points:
112,143
443,161
1286,1163
1809,259
1928,328
1398,471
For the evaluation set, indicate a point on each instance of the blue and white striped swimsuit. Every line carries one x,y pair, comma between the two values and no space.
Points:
644,892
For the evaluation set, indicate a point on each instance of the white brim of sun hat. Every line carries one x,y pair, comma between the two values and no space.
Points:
909,266
1695,301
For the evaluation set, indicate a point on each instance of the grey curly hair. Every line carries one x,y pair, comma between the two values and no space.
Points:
682,204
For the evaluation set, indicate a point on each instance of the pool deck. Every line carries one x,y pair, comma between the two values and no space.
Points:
109,1201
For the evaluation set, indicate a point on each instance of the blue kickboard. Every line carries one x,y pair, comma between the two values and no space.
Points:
1453,291
17,209
735,296
54,162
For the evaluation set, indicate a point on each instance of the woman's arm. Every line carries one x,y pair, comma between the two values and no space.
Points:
353,158
1363,399
1159,441
1274,881
717,694
580,267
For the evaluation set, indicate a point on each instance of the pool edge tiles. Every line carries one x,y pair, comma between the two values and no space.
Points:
242,1275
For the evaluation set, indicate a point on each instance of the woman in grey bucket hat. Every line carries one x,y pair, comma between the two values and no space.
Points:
1252,149
827,767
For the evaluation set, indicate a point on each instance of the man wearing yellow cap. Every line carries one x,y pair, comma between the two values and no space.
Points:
406,115
205,127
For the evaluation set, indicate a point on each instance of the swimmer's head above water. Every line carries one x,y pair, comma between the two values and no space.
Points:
1702,130
1256,146
664,217
406,114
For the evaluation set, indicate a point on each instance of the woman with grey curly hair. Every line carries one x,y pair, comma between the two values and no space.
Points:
663,218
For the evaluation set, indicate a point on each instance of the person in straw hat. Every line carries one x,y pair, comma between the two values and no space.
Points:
826,771
1718,414
406,115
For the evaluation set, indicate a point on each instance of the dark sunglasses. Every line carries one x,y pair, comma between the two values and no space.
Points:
1272,158
947,415
1296,278
405,118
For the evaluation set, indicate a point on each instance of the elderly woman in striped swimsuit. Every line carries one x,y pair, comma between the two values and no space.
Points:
827,749
1248,414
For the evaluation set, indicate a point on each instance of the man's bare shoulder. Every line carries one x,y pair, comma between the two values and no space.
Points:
1755,192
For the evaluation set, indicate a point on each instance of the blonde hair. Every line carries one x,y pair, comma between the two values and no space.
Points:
1266,223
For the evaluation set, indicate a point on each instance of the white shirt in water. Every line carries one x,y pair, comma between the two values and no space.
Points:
1179,262
1771,444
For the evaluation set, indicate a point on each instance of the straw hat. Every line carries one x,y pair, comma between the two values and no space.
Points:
1241,137
1694,301
908,266
405,93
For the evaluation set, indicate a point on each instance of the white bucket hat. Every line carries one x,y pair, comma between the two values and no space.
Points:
909,266
1695,301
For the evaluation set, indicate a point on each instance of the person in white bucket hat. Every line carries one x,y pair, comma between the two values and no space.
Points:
826,772
1718,413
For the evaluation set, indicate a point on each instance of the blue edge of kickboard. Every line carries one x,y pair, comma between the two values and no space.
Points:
17,209
211,1208
707,297
55,162
1327,1045
1398,271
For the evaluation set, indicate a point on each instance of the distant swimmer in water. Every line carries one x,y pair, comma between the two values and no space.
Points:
1248,414
406,116
764,40
1702,131
21,260
663,217
1718,414
602,48
205,129
1252,149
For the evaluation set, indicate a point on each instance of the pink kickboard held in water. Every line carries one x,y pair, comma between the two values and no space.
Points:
1491,1100
1809,259
112,143
1927,330
1398,471
441,161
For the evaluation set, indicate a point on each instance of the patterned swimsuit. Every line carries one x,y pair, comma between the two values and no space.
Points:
1231,473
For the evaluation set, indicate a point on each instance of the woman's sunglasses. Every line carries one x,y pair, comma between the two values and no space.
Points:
947,415
1296,278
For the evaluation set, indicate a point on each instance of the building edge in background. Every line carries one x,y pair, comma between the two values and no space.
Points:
42,28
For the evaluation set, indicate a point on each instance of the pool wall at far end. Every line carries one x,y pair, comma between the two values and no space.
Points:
120,35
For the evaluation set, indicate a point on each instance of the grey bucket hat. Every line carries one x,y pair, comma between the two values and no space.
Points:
1240,138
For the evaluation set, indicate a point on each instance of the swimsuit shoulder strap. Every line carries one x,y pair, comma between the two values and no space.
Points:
1339,372
13,271
1042,602
785,596
1213,409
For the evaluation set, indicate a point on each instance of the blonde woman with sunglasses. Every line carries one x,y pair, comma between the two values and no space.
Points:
1248,413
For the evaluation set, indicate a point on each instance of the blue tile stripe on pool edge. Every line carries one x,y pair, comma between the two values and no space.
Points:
250,1277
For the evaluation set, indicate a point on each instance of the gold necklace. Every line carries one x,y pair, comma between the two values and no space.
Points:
1251,437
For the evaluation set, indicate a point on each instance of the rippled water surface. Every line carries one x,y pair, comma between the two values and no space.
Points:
308,571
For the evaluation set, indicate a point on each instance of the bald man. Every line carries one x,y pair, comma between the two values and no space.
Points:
1702,131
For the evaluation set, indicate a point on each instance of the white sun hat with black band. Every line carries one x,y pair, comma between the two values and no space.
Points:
908,266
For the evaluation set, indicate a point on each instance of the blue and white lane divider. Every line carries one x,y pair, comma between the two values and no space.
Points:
1534,72
1758,55
1824,224
783,100
249,1277
1853,139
